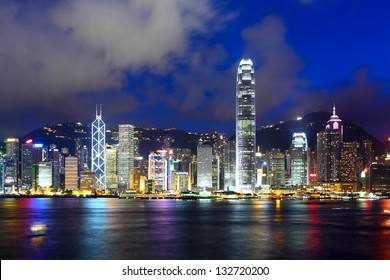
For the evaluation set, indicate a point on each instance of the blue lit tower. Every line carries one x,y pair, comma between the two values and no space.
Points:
98,163
245,127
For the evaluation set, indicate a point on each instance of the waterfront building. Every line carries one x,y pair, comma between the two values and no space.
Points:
45,175
32,153
261,170
229,166
2,172
180,181
204,166
158,170
277,168
82,154
349,162
71,173
125,152
219,153
215,173
245,128
12,164
55,158
329,144
192,173
379,178
98,155
312,166
368,153
88,182
111,165
299,160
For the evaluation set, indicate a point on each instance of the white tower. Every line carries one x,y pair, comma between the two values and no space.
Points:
99,149
245,127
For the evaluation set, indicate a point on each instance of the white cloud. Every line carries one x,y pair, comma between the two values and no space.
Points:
53,53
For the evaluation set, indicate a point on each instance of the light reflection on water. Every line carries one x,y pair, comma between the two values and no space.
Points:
206,229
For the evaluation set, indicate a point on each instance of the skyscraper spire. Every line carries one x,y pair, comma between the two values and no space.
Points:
334,109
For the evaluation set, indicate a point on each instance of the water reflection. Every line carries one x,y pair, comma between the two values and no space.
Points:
37,241
174,229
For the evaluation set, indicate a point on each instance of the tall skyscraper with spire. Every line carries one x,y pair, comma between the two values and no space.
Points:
98,156
329,144
245,127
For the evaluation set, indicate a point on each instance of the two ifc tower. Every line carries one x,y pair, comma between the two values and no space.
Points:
245,133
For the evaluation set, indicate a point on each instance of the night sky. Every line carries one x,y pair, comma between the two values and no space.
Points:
173,63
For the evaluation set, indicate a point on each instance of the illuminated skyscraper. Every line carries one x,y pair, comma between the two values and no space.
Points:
204,166
158,169
245,127
11,165
71,173
125,161
98,163
329,143
278,166
299,160
349,162
2,169
229,165
32,154
111,176
45,174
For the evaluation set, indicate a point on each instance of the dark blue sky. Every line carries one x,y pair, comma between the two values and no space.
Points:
173,62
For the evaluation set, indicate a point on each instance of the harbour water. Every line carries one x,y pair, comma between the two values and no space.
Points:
109,228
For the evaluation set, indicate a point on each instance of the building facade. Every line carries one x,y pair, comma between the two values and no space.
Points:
329,144
299,160
98,155
204,166
71,173
125,160
245,128
158,170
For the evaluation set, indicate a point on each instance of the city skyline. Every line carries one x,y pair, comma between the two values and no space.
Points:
304,60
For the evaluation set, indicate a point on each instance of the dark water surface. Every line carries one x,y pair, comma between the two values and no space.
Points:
108,228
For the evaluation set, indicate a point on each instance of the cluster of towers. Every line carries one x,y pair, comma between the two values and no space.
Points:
218,165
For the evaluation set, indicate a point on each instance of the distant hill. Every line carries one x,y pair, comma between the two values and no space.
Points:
271,136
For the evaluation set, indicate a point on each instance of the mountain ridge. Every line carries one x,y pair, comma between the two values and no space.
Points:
267,137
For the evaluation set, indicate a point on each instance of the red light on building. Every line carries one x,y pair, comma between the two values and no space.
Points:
29,141
313,175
